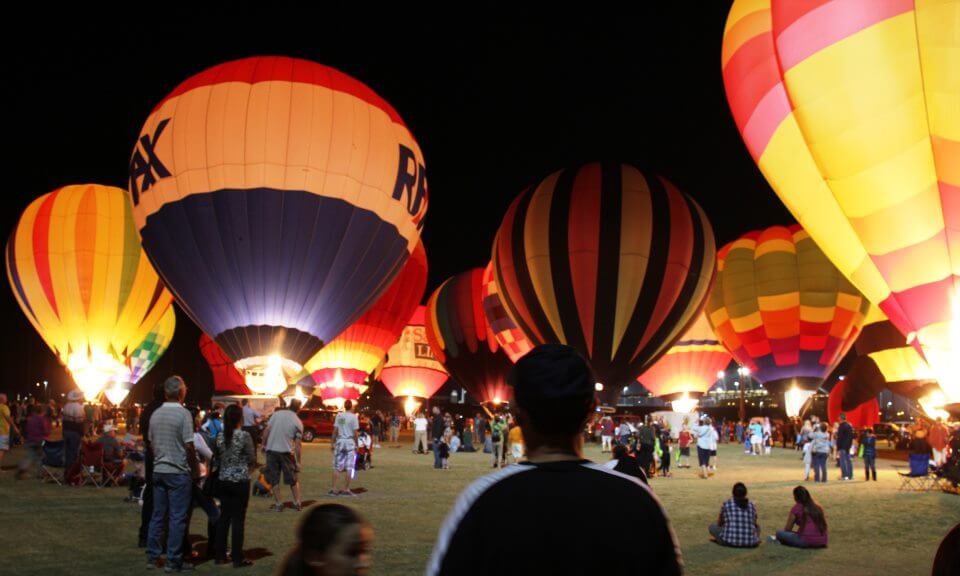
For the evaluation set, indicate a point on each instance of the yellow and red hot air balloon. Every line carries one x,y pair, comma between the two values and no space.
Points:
75,265
783,309
341,368
608,260
689,368
866,414
412,370
505,330
849,108
278,199
462,340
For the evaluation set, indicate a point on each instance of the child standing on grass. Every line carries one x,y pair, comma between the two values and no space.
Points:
445,453
869,447
807,459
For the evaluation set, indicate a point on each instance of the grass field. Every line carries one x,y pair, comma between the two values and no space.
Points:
874,529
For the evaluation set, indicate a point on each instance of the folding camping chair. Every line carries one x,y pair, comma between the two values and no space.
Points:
91,464
918,478
52,462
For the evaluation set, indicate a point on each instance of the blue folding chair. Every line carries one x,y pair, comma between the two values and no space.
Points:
918,478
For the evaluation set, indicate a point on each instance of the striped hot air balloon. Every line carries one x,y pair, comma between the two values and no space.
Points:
885,360
505,330
226,378
863,415
356,352
608,260
145,356
76,268
850,110
689,368
278,198
782,309
463,342
412,369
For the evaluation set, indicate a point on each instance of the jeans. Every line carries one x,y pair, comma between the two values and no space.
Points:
791,538
201,500
71,448
171,496
846,465
436,454
820,466
497,452
870,465
234,497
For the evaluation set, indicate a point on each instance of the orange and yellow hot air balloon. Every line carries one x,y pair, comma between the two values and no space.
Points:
77,270
412,369
851,109
782,309
689,368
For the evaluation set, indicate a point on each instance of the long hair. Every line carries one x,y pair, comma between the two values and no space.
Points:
231,418
740,495
811,509
317,532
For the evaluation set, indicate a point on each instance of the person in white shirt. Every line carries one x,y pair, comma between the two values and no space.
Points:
251,421
714,438
344,446
704,435
420,434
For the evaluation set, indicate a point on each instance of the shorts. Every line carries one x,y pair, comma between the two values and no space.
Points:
4,442
703,456
278,462
713,452
685,451
344,456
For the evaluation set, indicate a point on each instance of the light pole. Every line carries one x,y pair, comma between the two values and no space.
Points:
744,373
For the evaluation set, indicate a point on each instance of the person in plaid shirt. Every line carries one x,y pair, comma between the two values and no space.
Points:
737,525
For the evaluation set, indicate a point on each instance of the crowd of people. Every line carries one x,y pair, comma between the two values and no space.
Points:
185,459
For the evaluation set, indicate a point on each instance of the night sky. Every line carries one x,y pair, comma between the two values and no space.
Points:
496,101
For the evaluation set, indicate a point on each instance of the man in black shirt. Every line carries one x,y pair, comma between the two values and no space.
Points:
538,517
146,511
844,443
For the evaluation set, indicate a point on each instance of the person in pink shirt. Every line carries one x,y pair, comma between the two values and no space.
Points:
809,519
35,432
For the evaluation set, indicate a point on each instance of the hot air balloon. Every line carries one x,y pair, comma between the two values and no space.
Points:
227,380
463,342
278,199
356,352
885,360
412,370
606,259
76,268
144,357
689,368
783,310
864,415
513,341
850,111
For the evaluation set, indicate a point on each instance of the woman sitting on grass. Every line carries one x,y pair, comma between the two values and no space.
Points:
737,525
809,519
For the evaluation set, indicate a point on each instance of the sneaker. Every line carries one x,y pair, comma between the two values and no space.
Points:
332,492
298,507
773,538
276,508
151,564
242,564
347,493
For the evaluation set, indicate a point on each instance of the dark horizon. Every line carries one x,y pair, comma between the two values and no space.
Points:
495,103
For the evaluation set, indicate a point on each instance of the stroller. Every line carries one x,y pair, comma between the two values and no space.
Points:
364,451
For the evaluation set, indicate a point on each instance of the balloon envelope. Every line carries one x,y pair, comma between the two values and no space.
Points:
864,415
412,369
226,378
462,340
690,366
278,198
76,268
782,309
850,111
145,356
606,259
513,341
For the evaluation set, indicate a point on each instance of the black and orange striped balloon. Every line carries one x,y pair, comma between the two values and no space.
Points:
606,259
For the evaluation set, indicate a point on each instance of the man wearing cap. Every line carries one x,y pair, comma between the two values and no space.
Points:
174,468
555,496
